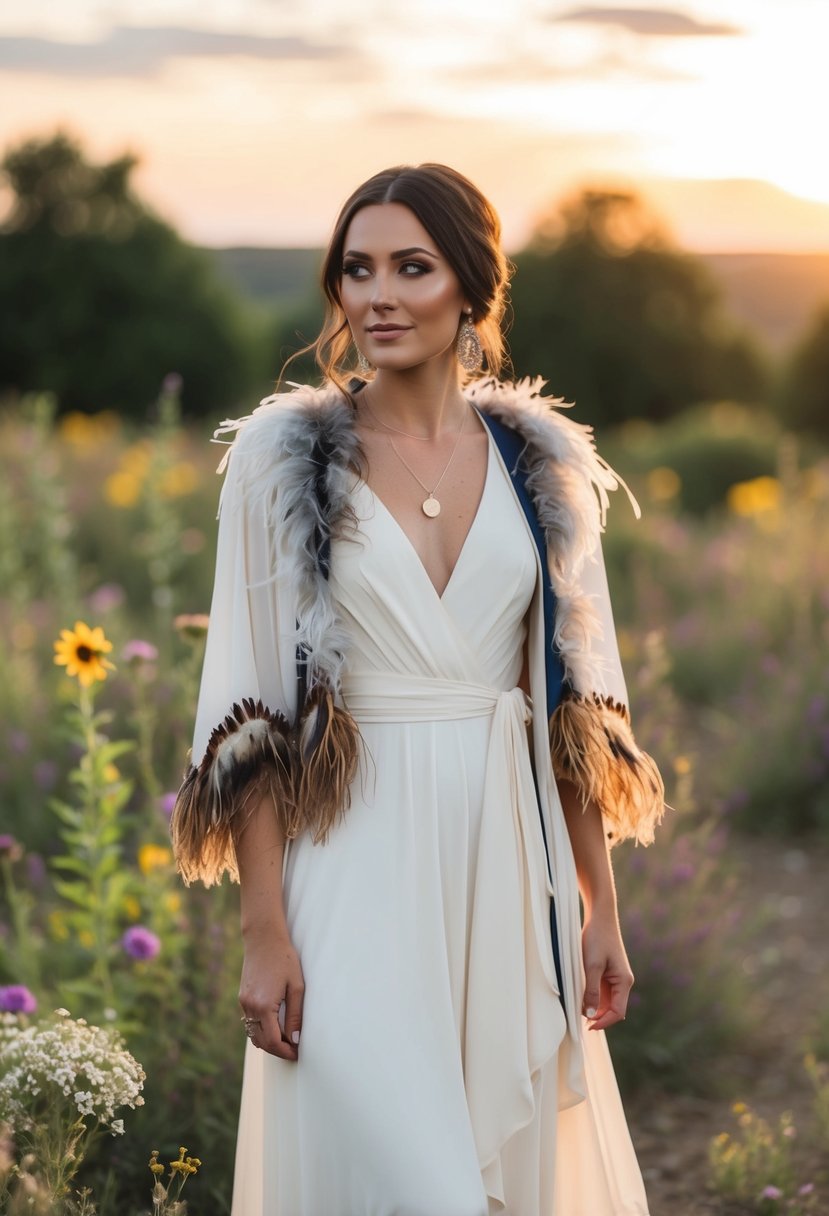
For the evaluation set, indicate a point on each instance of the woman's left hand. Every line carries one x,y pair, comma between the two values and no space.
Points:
608,977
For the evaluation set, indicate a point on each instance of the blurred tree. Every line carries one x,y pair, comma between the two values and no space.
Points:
803,395
101,298
619,320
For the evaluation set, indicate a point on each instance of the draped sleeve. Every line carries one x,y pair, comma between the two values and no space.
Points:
591,737
247,696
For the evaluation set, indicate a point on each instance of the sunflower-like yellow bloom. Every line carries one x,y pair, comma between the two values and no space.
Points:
153,857
81,651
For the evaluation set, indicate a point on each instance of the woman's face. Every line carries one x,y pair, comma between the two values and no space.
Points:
402,299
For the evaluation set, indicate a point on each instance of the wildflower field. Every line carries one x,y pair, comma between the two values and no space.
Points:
721,595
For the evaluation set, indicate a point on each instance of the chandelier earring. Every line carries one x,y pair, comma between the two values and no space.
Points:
363,365
468,347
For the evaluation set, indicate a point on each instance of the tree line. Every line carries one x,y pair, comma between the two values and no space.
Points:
101,298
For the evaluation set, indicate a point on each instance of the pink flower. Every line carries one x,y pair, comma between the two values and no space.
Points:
15,998
771,1192
139,651
106,597
141,943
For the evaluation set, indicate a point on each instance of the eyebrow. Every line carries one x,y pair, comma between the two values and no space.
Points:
397,256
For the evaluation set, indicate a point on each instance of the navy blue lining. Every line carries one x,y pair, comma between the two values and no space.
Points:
511,447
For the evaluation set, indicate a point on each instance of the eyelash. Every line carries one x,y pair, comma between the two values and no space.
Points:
350,267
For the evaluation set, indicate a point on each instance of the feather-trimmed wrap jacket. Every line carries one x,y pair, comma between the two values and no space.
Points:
270,714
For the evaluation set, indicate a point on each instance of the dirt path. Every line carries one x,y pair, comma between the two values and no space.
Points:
788,966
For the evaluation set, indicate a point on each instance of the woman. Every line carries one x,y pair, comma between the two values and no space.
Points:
410,730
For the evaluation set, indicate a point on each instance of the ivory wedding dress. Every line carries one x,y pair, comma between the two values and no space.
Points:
434,1077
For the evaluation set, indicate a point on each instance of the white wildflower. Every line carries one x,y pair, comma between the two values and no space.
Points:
43,1065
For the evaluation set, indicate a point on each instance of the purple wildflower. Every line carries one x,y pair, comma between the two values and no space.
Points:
683,871
139,651
140,943
166,803
9,847
15,998
806,1189
771,1192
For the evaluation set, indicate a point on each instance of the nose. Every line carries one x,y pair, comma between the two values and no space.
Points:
382,297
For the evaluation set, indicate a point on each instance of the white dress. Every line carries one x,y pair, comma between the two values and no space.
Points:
429,1080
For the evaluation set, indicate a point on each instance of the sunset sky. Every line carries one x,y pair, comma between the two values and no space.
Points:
254,119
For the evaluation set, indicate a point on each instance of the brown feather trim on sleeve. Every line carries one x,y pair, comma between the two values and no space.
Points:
592,745
327,739
248,754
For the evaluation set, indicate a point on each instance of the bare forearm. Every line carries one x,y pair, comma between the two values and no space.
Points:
593,868
260,847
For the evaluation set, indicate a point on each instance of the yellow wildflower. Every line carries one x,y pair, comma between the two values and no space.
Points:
754,497
57,925
172,902
185,1167
739,1108
87,430
663,484
154,1163
682,765
111,773
81,651
132,908
86,939
122,489
153,857
179,480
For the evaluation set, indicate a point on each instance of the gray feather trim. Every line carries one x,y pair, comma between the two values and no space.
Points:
276,444
569,483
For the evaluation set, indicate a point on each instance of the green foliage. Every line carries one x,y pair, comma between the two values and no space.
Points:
761,1165
101,299
689,1006
709,448
737,639
804,389
618,320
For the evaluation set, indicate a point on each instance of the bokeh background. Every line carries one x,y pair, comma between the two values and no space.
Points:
170,173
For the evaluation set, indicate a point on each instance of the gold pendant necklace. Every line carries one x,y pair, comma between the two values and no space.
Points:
430,505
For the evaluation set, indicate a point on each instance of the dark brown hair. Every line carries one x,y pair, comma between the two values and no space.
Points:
465,227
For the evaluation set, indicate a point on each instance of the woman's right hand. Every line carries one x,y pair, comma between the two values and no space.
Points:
272,973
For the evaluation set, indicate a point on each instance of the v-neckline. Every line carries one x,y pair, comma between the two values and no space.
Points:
440,596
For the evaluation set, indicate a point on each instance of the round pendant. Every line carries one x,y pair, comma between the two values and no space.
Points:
431,507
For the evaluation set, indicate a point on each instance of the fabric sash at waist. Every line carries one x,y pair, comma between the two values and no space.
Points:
381,697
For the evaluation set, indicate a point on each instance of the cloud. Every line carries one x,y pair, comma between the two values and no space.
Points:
533,70
143,50
662,22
